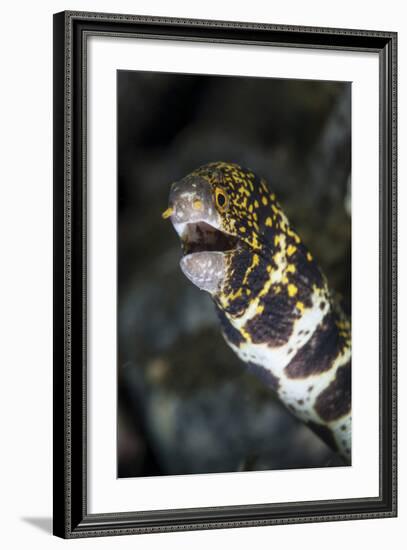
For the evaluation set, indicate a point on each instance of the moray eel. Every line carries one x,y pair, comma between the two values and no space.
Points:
274,304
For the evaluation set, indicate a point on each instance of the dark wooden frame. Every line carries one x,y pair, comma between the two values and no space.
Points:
71,518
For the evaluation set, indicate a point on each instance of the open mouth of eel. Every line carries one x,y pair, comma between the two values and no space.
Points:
202,237
205,260
205,248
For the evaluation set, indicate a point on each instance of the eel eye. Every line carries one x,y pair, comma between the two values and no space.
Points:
222,201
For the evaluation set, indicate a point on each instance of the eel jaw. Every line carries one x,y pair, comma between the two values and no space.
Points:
206,270
206,251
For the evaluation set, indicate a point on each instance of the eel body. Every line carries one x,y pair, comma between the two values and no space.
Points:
274,304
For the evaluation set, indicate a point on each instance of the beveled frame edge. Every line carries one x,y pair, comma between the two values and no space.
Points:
71,519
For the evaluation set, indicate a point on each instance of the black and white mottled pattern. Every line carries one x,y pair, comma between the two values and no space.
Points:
275,307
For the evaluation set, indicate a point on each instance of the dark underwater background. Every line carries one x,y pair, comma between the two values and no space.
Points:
185,402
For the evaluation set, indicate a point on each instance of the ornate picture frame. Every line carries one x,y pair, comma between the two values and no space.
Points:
72,517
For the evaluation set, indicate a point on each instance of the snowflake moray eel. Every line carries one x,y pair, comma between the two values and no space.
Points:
274,304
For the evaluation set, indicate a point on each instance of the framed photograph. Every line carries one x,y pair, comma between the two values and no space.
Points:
224,274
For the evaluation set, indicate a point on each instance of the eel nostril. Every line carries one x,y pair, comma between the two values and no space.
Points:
167,213
197,204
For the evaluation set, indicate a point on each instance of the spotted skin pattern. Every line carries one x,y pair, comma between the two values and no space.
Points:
275,307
